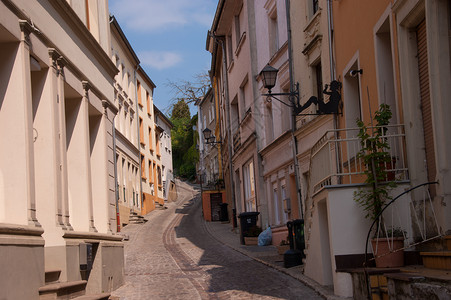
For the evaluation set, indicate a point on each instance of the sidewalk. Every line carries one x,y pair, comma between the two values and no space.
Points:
266,255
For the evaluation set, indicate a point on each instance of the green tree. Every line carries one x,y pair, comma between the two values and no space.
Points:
184,152
184,138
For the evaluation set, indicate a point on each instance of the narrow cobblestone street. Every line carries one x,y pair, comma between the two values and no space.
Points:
173,256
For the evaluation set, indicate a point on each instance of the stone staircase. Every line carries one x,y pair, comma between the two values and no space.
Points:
135,218
56,290
432,280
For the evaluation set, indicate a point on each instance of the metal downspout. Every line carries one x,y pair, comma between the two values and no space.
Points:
137,137
293,119
118,221
332,68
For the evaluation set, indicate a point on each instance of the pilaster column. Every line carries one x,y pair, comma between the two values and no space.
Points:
56,76
24,54
84,115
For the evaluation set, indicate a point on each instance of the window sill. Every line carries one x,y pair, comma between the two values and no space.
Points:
230,67
240,44
313,19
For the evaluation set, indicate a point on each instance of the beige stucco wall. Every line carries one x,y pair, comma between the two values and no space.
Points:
56,114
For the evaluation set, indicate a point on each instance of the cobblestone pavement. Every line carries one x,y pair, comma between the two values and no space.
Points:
174,256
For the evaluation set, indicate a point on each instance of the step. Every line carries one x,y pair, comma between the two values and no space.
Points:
62,290
52,276
437,260
103,296
421,284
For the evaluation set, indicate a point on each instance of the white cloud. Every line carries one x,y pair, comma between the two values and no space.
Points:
159,59
149,15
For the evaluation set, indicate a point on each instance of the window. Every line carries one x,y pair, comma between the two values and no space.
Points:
139,94
210,116
249,186
235,115
159,176
245,97
150,171
150,139
384,60
141,132
273,33
229,49
319,81
315,5
143,167
276,204
148,103
237,30
352,103
157,144
284,196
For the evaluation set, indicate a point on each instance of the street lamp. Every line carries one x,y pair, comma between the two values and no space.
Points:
209,138
269,75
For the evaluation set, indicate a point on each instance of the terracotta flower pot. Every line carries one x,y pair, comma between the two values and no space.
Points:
386,258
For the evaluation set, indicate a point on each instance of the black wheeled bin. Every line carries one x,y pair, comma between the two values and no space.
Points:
247,221
298,231
224,214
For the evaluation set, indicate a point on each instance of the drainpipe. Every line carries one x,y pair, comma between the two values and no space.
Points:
330,32
118,221
332,67
293,119
137,137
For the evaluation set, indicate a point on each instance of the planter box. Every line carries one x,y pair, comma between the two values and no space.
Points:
248,240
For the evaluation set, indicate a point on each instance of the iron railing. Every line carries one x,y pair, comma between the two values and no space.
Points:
335,160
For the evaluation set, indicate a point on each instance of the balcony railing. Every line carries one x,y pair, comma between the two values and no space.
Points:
334,159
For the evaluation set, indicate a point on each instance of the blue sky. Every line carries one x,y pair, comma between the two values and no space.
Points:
169,38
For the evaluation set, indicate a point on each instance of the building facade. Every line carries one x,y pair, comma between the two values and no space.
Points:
128,188
149,140
167,171
240,108
384,54
57,192
355,54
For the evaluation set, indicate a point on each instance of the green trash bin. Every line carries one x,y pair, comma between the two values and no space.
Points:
298,232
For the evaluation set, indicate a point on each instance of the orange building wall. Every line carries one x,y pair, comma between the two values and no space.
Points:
354,22
148,204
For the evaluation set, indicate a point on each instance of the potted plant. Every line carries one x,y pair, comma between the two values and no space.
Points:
372,198
251,236
387,248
